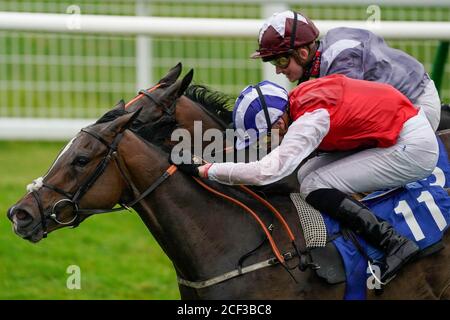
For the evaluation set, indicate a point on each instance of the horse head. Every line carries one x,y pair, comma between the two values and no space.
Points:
54,201
84,175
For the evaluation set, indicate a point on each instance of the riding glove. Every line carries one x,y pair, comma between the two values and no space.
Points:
188,167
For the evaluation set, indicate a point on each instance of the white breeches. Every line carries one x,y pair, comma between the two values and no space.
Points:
430,103
413,157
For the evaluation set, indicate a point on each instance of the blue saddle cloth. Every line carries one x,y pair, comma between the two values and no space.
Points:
419,211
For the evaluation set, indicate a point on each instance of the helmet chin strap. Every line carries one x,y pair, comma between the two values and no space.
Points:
294,53
262,100
306,65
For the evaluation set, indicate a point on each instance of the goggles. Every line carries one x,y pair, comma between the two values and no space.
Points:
281,62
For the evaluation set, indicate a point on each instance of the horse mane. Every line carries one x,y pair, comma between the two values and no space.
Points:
217,103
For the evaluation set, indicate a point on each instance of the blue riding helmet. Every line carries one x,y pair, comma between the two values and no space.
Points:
256,109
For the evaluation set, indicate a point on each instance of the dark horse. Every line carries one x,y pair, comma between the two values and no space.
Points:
202,234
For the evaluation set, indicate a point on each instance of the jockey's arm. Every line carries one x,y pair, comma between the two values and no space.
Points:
303,137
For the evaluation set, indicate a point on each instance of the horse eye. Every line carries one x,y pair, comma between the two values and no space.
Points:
80,161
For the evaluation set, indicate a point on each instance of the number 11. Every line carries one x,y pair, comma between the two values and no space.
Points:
404,209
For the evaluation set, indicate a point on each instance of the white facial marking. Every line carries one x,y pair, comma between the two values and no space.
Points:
37,183
63,151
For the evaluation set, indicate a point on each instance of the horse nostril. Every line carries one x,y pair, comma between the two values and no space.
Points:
21,215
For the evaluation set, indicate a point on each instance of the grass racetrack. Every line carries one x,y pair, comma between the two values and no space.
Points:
117,256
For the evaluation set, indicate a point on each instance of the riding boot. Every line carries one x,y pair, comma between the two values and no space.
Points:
398,249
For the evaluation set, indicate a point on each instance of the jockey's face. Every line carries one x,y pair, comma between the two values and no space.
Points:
282,125
295,69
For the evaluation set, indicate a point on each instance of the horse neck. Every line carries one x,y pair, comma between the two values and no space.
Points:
195,229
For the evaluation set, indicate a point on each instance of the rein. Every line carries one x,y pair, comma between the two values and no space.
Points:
255,216
275,249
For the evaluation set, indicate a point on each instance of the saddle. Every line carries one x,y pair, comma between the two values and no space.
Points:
319,244
328,248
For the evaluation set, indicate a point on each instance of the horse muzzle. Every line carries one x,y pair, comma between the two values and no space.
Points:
23,225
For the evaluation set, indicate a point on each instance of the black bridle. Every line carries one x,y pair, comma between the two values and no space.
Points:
168,110
74,198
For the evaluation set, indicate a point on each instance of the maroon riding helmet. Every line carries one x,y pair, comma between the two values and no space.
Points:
283,32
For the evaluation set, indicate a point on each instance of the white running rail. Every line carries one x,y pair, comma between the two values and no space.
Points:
51,129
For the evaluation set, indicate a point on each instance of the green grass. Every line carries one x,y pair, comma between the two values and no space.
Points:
118,257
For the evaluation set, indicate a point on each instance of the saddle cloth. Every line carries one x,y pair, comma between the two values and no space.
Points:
419,211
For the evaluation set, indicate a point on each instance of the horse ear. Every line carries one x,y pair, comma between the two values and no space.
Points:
177,89
172,75
187,79
124,122
119,105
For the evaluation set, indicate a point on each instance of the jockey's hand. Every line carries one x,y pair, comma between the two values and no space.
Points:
187,163
189,168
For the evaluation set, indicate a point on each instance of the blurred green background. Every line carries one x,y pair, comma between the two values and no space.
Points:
82,76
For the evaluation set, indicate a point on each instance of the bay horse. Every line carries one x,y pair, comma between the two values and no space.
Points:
204,236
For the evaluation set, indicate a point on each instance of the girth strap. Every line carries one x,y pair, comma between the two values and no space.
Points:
234,273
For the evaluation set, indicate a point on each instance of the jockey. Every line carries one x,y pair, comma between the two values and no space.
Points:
373,137
356,53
